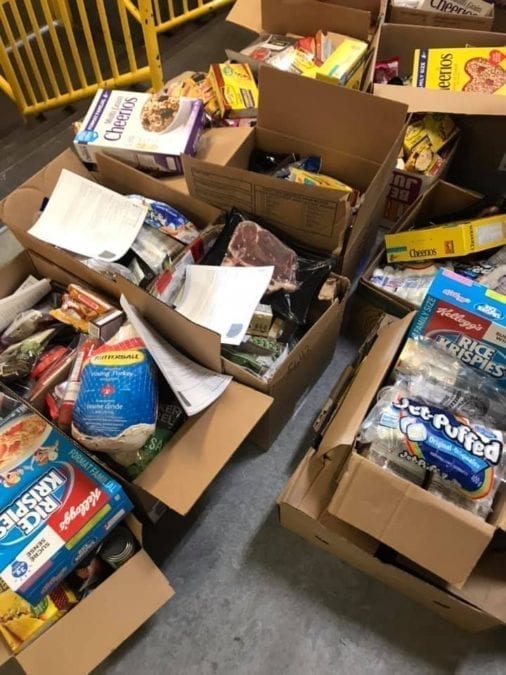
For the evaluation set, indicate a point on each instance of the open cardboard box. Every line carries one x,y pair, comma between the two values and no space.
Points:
209,440
440,198
424,17
400,40
358,137
305,508
447,540
192,458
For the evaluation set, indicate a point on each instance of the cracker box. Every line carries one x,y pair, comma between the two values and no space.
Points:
480,70
345,65
235,88
447,241
56,504
467,320
150,132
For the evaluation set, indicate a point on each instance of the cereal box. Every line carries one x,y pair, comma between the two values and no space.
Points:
447,241
480,70
467,320
56,504
345,65
235,88
151,132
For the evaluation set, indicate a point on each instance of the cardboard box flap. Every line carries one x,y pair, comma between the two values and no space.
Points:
346,423
361,124
101,622
486,587
300,17
181,473
451,102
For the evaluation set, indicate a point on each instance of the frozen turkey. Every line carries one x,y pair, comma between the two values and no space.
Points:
254,246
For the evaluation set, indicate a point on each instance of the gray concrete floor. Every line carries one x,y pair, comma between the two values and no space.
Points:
251,597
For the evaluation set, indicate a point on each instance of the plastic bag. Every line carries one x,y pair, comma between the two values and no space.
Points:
298,273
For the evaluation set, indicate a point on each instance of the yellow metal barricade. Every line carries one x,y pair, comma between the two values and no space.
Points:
55,52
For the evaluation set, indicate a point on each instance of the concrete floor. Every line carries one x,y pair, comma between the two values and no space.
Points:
251,597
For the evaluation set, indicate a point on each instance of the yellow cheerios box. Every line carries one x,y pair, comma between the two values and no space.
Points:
473,69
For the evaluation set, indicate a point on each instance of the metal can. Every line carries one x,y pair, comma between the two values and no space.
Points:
118,547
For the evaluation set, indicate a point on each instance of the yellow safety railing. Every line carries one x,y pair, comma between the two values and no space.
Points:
56,52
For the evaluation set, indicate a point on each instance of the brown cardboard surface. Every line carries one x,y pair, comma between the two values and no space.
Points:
421,17
101,622
401,40
440,198
301,17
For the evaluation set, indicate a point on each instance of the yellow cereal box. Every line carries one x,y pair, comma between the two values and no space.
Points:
345,65
473,69
235,89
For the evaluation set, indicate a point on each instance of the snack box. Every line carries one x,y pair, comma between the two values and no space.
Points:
56,504
235,88
150,132
480,70
467,7
468,320
447,241
445,13
345,65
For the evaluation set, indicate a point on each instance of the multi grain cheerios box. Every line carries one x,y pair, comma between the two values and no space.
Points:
481,70
149,132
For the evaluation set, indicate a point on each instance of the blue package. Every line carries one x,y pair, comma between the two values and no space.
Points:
167,219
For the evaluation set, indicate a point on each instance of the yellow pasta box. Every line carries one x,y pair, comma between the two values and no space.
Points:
447,241
345,65
235,89
480,70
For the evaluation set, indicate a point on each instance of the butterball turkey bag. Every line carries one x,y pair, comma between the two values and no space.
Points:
248,241
116,407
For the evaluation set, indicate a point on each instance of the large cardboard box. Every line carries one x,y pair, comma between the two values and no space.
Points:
441,198
305,507
179,475
211,438
400,40
358,137
424,17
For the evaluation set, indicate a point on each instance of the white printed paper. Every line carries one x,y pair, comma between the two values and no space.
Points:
223,299
196,387
26,296
88,219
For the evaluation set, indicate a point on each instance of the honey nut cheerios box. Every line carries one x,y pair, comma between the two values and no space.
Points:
479,70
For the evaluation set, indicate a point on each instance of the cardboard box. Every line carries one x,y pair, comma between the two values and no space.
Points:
399,40
441,198
196,456
179,475
445,19
95,627
447,540
358,139
305,507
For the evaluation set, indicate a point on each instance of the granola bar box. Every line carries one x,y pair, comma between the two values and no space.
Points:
144,130
480,70
467,320
56,504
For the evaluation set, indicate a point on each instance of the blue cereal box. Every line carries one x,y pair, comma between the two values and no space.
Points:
56,504
467,320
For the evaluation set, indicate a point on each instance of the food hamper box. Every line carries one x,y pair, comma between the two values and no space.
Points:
192,458
397,40
197,456
358,140
443,13
440,199
443,563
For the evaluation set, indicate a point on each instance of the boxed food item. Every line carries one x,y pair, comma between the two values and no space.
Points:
481,70
346,63
235,89
468,14
467,320
151,132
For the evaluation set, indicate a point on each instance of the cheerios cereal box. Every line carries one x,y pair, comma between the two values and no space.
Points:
144,130
480,70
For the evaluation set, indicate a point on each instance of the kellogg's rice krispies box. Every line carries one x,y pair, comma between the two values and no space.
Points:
151,132
56,504
480,70
467,320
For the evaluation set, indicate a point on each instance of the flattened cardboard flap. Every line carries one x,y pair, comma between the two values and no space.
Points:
101,622
342,119
247,13
344,427
181,473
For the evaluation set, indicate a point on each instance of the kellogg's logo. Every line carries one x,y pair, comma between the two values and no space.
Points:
459,318
489,310
80,510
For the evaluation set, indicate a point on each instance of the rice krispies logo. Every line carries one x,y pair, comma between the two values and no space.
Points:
33,508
